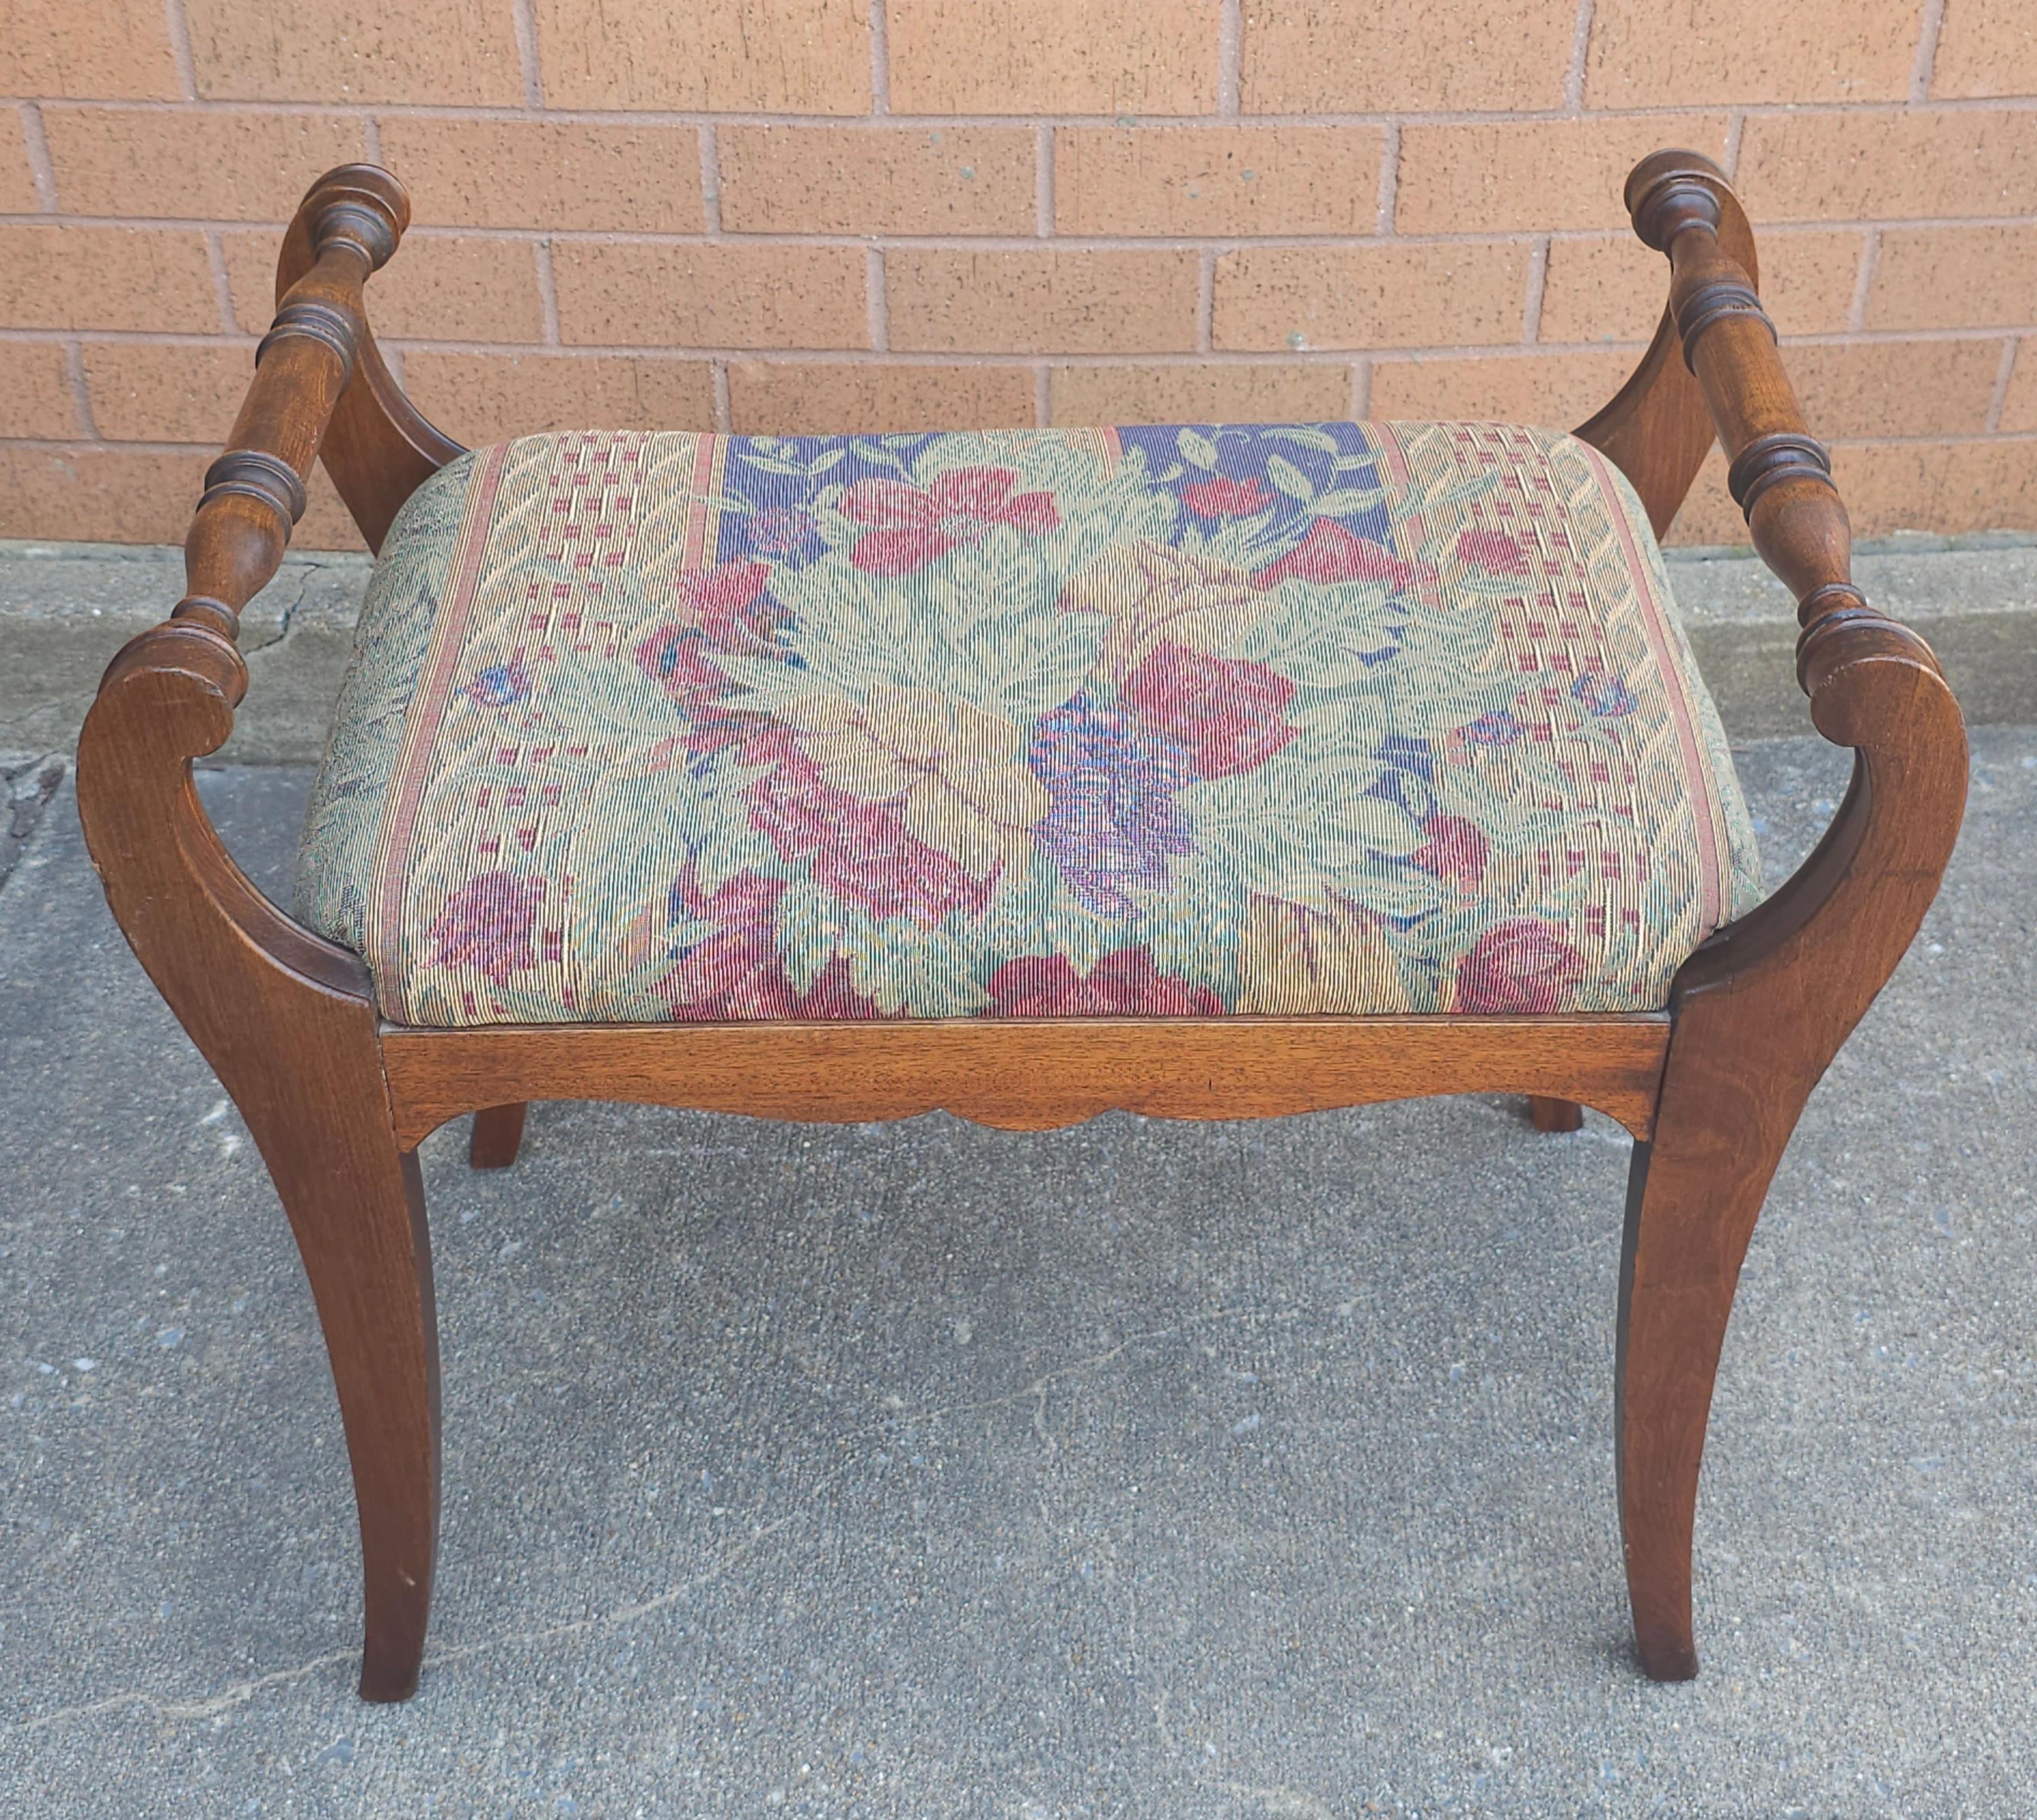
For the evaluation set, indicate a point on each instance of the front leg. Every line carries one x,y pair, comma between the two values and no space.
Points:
1694,1193
356,1206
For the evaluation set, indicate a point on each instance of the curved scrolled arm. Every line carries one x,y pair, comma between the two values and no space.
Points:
1829,937
1758,1012
201,928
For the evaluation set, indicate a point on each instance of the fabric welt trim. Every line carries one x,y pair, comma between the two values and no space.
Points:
1709,811
413,771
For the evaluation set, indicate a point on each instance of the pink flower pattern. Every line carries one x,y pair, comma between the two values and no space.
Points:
1226,711
909,526
1220,497
1455,849
489,924
737,972
859,851
1125,984
1330,552
1525,966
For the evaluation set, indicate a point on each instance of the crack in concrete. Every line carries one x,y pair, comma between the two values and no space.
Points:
32,785
301,574
239,1692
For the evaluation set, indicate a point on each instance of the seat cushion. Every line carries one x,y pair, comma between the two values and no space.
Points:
1349,719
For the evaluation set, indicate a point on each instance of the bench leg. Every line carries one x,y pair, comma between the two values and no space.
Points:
1693,1195
1556,1115
498,1134
356,1206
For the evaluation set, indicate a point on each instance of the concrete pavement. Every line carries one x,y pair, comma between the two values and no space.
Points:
1135,1469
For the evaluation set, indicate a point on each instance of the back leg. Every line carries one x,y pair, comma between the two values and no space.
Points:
1556,1115
498,1134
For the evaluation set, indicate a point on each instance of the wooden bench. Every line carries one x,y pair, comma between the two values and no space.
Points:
1707,1061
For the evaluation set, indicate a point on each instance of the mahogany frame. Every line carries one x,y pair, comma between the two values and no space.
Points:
337,1100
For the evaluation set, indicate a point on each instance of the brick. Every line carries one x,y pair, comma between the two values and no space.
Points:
1054,56
2019,406
174,392
1807,280
1609,289
137,496
1985,49
1459,294
1708,516
17,181
35,390
459,288
1613,288
326,523
1988,485
733,296
120,51
1058,302
878,180
1955,278
1533,175
453,52
1217,179
834,399
439,287
774,56
1876,164
548,174
99,496
1561,390
76,278
1304,55
1894,388
251,278
1208,392
227,167
1642,54
482,397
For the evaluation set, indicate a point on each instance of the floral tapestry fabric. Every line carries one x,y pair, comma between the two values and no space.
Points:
1343,719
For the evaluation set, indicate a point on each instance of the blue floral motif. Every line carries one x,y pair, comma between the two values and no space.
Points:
500,685
1602,694
1277,479
784,531
1495,729
1114,821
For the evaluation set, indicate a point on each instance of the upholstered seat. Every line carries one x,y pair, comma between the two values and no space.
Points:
1353,719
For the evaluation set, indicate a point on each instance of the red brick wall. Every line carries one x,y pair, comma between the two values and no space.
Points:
821,214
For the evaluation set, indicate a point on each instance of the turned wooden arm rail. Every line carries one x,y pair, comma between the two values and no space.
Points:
287,1019
1874,684
1780,476
350,222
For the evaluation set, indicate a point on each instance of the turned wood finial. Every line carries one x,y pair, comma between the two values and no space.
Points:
362,204
355,217
1668,192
